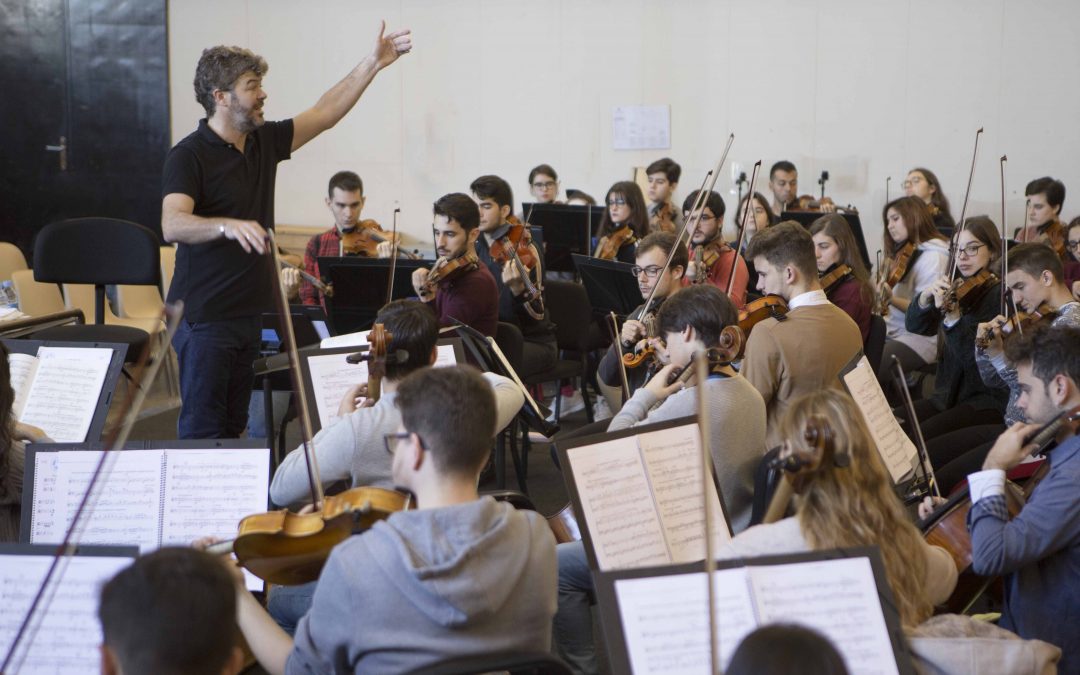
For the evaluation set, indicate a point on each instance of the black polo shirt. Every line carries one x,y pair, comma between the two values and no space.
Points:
218,280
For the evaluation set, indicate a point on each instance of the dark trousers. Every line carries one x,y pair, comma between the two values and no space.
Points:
958,453
536,357
936,422
216,375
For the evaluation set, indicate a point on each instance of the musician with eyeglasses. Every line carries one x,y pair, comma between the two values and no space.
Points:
544,185
712,260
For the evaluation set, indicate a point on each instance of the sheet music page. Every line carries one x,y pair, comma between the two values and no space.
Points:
666,624
673,460
838,598
895,448
21,368
444,356
331,377
126,501
45,524
347,340
65,390
618,505
68,633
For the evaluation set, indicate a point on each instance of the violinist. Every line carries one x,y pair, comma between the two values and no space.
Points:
461,575
908,230
717,257
464,289
807,349
495,201
544,184
960,397
923,184
663,176
625,221
784,185
761,217
839,264
1045,197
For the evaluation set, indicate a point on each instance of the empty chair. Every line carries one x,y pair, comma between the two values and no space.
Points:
11,260
36,298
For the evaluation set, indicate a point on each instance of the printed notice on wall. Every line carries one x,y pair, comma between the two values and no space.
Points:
641,127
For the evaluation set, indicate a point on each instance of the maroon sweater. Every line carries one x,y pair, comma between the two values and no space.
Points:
472,298
847,297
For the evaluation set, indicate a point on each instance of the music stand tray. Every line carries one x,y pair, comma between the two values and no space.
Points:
360,289
610,285
567,230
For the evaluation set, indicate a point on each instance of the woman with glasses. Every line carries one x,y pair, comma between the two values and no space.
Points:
625,220
960,398
922,183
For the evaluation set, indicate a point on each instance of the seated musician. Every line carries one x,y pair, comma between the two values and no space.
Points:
544,184
460,575
806,350
1034,278
170,611
690,322
468,293
960,397
923,184
836,250
345,201
1039,549
784,185
625,209
760,217
496,200
652,253
663,176
1045,197
579,198
848,501
13,437
711,259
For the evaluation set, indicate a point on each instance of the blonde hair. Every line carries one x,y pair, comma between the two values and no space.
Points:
855,505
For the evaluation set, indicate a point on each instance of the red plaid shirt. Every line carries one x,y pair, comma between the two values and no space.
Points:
327,244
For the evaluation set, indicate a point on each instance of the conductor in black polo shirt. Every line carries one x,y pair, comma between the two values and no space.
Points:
218,202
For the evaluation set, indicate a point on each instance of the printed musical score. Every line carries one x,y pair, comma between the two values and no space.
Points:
896,449
21,369
331,378
208,492
64,388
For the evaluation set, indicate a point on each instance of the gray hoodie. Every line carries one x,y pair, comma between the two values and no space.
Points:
427,585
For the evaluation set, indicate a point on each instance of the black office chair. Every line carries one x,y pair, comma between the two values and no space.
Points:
515,663
570,311
511,343
875,342
98,251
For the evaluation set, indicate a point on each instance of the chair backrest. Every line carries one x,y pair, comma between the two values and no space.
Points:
11,260
36,298
139,302
875,342
97,251
516,663
511,343
168,266
569,309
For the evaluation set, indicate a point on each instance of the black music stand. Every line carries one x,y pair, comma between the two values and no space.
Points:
806,218
610,285
360,289
567,230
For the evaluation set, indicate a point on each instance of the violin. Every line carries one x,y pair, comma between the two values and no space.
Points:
707,255
807,204
757,311
1016,322
365,239
663,218
967,293
450,269
633,359
727,350
609,245
836,275
900,262
516,246
325,288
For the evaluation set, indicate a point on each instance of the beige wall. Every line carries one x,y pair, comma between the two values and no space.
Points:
863,88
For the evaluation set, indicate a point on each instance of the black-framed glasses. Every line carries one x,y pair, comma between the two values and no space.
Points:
390,441
652,271
969,251
1073,244
616,202
545,185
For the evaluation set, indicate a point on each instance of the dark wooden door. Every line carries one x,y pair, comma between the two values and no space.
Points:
84,112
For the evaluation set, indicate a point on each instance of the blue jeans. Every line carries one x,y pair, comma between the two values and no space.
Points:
216,375
287,604
573,627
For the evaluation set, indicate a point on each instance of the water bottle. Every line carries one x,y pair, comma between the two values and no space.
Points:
8,296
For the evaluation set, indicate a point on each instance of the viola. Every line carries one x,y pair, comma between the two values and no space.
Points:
1016,322
727,350
452,268
609,245
836,275
967,293
769,306
516,246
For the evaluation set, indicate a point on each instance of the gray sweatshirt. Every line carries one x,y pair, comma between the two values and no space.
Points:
428,585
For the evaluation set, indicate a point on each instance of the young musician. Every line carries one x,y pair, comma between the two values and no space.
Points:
835,248
625,209
663,176
960,397
170,612
544,184
848,501
495,200
468,293
761,217
807,349
1045,197
923,184
711,258
652,253
579,198
217,201
784,185
907,221
1039,549
460,575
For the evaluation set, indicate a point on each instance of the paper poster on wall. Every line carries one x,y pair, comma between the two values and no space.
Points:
641,127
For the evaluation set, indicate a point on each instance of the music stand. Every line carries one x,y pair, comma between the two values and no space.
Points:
360,289
806,218
610,285
567,230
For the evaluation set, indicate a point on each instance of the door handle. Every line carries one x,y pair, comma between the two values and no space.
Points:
62,149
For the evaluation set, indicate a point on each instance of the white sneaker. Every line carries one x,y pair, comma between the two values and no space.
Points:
601,410
570,404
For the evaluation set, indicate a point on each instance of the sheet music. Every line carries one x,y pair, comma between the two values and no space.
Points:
838,598
21,368
65,390
347,340
68,634
896,449
673,459
331,378
44,522
666,624
618,506
126,500
444,356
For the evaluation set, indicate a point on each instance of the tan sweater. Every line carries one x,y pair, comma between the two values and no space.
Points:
801,354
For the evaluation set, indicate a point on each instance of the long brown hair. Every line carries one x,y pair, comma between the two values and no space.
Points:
836,226
937,198
639,213
855,505
917,219
7,420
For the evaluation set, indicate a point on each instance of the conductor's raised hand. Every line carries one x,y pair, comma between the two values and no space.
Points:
388,47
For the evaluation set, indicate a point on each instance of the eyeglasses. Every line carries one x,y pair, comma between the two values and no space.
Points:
391,440
616,202
652,271
544,186
970,250
1072,244
912,181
